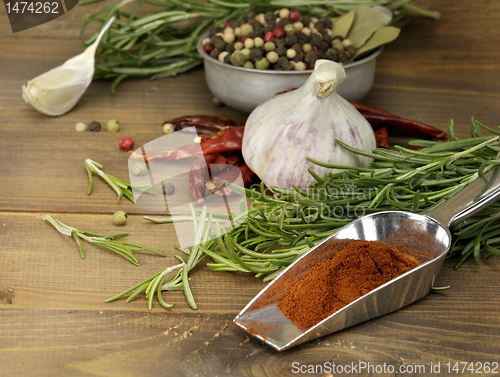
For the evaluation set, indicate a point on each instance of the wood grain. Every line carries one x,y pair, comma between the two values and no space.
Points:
53,317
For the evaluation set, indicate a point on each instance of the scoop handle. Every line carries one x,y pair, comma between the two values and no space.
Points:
475,196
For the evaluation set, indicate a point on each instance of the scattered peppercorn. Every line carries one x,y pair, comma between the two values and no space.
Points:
140,168
80,127
169,188
126,143
113,125
119,218
95,126
168,128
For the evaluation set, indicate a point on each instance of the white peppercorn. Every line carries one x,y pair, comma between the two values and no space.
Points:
80,127
168,128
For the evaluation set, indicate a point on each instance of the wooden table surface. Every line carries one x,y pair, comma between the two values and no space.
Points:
53,318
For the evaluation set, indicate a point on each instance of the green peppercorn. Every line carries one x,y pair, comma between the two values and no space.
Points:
238,58
140,168
113,125
249,64
269,46
262,64
246,30
119,218
246,53
289,29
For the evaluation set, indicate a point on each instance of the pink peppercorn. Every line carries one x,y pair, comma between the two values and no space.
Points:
294,16
278,32
269,37
126,143
208,47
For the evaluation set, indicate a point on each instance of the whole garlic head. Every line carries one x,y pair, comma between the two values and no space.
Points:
57,91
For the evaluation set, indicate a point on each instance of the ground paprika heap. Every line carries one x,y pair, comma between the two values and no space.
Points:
356,269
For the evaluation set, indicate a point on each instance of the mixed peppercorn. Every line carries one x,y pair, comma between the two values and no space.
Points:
281,40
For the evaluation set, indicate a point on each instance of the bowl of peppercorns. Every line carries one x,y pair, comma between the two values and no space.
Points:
248,62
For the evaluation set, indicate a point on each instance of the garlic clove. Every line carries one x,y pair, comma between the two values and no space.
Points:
57,91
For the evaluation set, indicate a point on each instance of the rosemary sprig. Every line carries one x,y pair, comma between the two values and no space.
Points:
155,284
108,241
121,187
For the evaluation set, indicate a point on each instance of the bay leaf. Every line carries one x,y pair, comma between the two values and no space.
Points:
366,21
343,24
382,36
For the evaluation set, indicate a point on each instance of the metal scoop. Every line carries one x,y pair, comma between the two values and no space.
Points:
262,318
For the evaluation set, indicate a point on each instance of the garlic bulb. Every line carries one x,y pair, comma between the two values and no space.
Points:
281,133
57,91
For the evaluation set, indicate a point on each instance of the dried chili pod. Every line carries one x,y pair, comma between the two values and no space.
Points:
229,139
210,174
204,123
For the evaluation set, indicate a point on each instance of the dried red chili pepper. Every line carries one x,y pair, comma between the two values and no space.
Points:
203,123
228,139
382,138
211,173
397,126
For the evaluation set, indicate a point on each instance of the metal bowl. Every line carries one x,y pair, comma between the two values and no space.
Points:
244,89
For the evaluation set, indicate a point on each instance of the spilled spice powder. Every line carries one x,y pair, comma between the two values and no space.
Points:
352,272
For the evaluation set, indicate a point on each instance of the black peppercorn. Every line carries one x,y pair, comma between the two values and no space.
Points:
306,20
269,16
297,47
323,45
213,30
290,40
227,59
344,57
169,188
215,53
351,50
339,37
219,43
284,21
234,24
256,54
331,54
250,15
95,126
268,27
281,51
303,38
230,48
328,23
279,42
298,57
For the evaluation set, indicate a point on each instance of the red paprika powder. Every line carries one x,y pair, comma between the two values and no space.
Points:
352,272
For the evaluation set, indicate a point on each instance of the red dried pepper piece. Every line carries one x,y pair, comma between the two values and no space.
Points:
203,123
397,126
211,173
228,139
382,138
